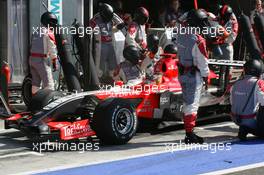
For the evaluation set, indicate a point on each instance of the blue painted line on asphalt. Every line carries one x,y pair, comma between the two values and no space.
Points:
181,162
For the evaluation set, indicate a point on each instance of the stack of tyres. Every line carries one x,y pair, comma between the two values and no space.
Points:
259,24
249,37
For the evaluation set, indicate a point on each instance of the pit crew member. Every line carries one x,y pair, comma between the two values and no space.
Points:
258,10
136,34
247,95
43,54
228,20
107,22
119,10
193,69
172,13
129,71
152,57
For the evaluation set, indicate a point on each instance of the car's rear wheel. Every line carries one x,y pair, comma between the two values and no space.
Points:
114,121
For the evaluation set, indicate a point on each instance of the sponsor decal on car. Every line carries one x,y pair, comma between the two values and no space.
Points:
76,130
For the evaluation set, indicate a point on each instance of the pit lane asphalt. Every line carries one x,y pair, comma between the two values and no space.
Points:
16,155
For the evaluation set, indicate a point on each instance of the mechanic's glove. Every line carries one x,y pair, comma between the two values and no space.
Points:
54,64
205,79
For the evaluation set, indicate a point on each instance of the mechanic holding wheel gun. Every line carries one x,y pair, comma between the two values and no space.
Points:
193,69
43,47
247,100
229,21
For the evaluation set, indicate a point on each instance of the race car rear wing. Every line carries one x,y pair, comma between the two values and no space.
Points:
4,109
231,73
226,63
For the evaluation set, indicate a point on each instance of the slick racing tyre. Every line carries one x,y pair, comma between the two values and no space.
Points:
26,90
42,98
114,121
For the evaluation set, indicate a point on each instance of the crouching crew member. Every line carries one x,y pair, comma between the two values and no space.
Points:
193,68
43,54
136,35
247,96
153,56
129,71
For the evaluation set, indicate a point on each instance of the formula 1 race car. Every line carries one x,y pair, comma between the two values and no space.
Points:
112,113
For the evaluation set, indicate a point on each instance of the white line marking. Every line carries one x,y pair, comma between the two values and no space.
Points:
21,154
109,161
12,149
89,164
237,169
11,130
216,126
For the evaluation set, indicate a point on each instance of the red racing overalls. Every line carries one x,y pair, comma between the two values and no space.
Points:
193,64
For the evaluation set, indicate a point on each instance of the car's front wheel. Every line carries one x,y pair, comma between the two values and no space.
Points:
114,121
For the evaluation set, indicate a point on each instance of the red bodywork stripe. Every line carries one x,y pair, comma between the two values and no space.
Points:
73,130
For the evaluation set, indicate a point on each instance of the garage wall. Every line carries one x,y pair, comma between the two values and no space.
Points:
3,31
71,9
17,42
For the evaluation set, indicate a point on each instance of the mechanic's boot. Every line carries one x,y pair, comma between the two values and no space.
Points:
193,138
242,133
